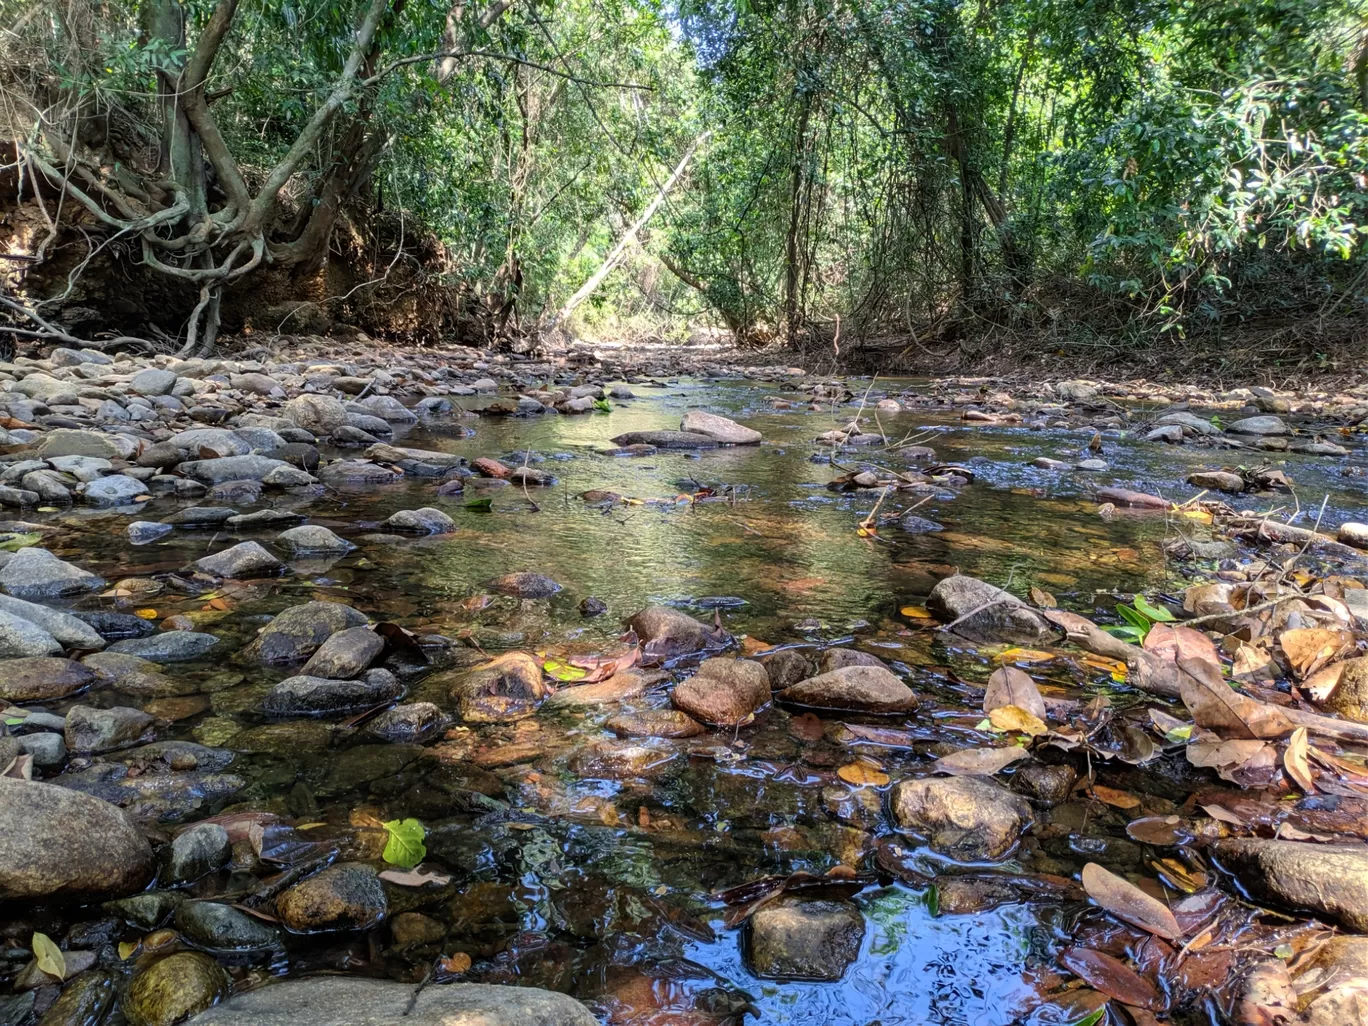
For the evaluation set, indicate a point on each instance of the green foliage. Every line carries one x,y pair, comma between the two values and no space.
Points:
404,847
1140,616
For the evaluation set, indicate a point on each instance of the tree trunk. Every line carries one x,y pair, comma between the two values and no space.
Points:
615,255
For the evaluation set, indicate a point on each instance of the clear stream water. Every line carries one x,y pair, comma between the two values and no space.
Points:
599,883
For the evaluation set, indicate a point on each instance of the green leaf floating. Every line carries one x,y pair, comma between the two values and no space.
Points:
49,956
405,847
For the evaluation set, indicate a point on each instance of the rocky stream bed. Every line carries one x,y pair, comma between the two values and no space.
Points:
635,687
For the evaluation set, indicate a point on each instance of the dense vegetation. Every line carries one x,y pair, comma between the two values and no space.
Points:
888,172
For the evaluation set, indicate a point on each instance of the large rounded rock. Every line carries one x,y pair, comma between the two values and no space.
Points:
173,989
298,632
354,1001
345,655
203,848
55,842
971,819
870,689
22,639
421,521
320,414
1328,879
42,679
805,940
989,613
721,429
313,540
507,688
667,439
89,729
245,559
787,667
408,724
347,896
218,927
167,646
85,999
667,633
63,627
724,692
319,696
36,574
1267,425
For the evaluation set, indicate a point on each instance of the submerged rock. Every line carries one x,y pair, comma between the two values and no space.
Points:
990,614
859,688
724,692
408,724
723,429
793,939
318,696
970,819
667,633
507,688
655,723
101,730
55,842
167,647
667,440
347,896
297,632
42,679
351,1001
524,584
219,927
173,989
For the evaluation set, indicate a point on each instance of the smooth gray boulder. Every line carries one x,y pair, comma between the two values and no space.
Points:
1262,426
245,559
722,429
20,638
55,842
64,627
986,613
355,1001
35,573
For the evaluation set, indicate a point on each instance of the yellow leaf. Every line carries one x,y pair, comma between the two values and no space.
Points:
126,949
916,612
457,963
1116,799
48,956
146,614
1026,655
1199,515
1017,720
862,774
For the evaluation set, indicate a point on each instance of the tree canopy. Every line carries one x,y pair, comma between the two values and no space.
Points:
811,168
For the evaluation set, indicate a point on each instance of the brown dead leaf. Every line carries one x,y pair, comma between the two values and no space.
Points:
1214,704
1111,976
863,774
1317,686
979,761
805,727
1309,648
1176,643
1113,797
1041,598
1295,761
1009,686
1129,903
454,964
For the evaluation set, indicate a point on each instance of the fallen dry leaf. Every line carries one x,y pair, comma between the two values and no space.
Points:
862,774
979,761
1008,686
1014,719
1113,797
1309,648
1295,761
1129,903
1111,976
416,877
455,964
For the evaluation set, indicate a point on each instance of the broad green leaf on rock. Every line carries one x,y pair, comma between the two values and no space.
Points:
405,847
